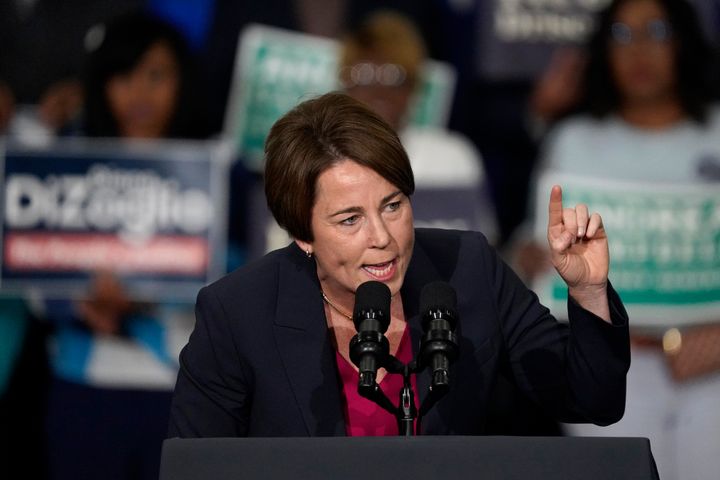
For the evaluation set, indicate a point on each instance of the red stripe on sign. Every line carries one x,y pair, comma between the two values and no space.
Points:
85,252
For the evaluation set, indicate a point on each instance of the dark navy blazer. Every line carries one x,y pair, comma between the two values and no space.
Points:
260,361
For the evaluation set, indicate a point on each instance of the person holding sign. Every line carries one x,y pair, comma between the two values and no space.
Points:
649,118
269,355
114,364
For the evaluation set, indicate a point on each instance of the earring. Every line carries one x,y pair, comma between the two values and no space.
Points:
308,253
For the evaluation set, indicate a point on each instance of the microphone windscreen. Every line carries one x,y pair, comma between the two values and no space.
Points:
373,296
438,295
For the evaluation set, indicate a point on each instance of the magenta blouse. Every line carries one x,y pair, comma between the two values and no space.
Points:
363,417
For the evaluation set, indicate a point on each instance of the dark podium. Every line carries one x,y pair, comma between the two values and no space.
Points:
417,458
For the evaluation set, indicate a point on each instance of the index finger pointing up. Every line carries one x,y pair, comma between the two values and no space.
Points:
555,208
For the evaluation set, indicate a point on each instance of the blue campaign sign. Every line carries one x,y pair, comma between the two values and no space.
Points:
517,38
153,213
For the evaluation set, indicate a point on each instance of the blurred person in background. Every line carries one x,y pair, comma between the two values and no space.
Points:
326,18
42,53
40,66
140,81
113,359
647,114
381,65
143,83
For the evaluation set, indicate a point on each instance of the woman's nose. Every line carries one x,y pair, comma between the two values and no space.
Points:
379,235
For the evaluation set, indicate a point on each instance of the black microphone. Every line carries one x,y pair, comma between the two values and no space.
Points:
439,346
369,349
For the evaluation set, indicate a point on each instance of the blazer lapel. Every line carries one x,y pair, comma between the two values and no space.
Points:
303,341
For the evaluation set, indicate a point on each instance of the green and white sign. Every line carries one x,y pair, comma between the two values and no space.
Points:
276,69
664,247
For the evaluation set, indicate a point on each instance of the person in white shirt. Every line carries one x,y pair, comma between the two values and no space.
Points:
648,116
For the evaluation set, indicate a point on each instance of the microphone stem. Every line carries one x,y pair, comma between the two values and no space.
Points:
407,413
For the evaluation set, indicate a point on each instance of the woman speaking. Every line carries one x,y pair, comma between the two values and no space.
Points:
270,356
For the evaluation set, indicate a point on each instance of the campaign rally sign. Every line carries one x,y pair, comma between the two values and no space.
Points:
276,69
517,37
664,247
152,212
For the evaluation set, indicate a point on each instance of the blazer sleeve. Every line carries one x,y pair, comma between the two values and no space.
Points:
576,371
212,394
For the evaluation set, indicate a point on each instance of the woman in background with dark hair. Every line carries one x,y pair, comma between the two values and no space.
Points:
139,81
674,75
647,116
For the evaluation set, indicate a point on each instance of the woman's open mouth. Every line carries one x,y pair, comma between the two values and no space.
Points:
382,271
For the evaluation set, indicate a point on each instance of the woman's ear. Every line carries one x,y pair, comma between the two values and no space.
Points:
305,247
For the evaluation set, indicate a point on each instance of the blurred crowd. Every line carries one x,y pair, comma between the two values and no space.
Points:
621,89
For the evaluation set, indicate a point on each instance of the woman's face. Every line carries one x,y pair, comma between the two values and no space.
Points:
143,100
363,230
642,52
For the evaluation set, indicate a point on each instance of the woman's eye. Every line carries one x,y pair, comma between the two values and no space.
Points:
393,206
350,220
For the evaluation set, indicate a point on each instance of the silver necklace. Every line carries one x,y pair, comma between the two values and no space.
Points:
334,307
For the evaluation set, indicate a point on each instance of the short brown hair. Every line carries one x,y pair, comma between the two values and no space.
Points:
314,136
